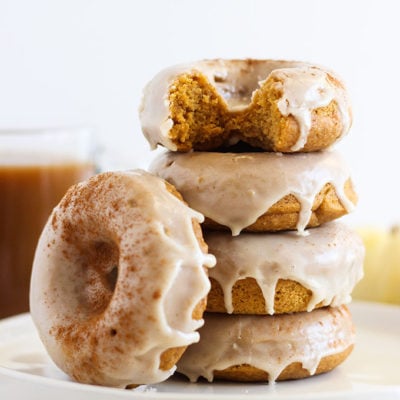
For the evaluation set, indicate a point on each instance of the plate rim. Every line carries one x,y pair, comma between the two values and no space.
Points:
147,394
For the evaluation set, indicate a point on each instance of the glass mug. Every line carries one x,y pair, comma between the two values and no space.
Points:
36,169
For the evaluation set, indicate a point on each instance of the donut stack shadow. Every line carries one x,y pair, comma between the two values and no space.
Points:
248,148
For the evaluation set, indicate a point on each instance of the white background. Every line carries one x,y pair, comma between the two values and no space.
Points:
74,62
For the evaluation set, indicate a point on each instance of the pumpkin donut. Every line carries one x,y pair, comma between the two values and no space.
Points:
284,106
119,280
259,348
258,191
282,272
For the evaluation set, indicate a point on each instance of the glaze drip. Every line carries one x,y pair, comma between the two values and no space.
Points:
304,90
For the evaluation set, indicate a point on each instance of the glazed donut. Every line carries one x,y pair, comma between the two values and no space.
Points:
284,106
282,272
119,280
260,192
251,348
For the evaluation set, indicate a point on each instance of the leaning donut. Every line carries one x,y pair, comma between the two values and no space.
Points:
119,280
284,106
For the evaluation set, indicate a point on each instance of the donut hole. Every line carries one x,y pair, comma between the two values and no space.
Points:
238,83
100,273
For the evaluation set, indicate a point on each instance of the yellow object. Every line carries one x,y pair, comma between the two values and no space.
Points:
382,266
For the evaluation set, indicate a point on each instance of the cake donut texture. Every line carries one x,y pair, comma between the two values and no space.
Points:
251,348
284,106
283,272
261,192
119,280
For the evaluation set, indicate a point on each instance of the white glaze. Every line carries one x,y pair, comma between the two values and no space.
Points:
269,343
158,253
304,88
235,189
329,262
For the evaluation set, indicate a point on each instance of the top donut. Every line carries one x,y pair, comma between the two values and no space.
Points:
282,106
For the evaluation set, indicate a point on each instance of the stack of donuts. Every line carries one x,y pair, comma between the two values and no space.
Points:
248,147
122,273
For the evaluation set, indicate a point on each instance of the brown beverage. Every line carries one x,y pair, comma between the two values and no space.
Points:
28,193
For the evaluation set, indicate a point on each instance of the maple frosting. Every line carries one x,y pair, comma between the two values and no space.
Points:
117,274
328,262
303,86
235,189
269,343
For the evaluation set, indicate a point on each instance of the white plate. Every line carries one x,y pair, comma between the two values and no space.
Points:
371,372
